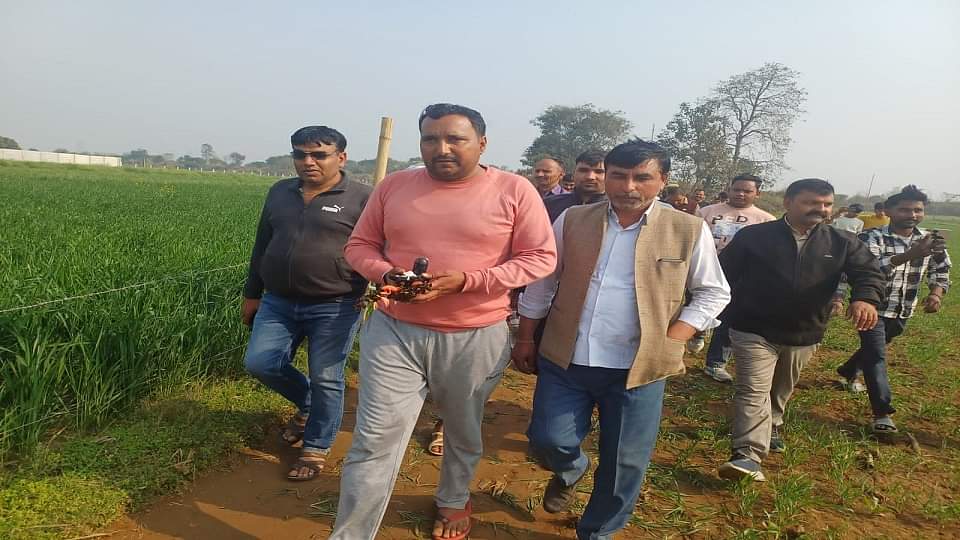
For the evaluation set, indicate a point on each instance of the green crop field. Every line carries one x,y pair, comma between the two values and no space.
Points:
175,243
121,378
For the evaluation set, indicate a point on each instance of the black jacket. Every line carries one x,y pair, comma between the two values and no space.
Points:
556,204
298,251
785,297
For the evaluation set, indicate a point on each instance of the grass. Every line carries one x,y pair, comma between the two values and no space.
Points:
71,486
110,401
835,480
71,231
419,524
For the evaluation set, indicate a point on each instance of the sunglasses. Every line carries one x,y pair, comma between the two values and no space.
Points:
300,155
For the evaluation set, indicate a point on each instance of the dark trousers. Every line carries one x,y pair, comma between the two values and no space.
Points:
563,403
720,339
871,359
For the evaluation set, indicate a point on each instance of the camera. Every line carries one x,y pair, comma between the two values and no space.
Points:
419,268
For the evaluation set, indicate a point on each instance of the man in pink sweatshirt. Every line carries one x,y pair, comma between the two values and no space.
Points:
485,232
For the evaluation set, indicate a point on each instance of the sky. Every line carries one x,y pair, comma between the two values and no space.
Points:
110,76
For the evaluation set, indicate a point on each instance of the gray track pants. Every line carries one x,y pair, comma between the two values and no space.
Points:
766,375
399,362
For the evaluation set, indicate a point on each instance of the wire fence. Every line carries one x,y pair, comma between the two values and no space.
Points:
67,410
119,289
271,173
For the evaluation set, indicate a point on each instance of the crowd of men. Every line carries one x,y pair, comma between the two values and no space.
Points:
622,273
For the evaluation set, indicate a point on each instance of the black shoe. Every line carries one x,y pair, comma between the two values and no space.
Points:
558,497
776,441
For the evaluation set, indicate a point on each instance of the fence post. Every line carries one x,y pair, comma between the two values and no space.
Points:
383,149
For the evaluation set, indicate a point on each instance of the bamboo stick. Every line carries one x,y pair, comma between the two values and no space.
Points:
383,149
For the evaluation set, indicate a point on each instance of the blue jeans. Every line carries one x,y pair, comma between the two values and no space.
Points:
871,359
278,330
720,339
563,403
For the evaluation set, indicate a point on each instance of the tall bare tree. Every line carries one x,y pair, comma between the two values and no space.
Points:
695,139
758,108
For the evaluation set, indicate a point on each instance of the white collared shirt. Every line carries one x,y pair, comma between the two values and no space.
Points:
609,331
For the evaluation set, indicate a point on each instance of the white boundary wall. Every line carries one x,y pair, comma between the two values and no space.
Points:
56,157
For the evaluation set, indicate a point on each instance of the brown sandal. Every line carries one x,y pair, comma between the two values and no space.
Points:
435,448
293,431
312,460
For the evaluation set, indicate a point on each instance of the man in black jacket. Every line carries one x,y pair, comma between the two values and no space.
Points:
589,186
310,291
782,276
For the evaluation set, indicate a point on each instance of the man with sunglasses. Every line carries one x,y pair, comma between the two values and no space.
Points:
300,287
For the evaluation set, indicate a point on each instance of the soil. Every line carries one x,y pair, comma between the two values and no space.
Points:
252,499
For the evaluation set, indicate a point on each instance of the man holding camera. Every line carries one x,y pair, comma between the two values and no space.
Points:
485,232
905,253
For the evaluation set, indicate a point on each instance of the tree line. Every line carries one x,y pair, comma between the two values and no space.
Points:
280,165
741,126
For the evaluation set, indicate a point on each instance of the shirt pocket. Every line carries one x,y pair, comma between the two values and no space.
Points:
672,273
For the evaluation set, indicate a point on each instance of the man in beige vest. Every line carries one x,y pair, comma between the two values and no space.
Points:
616,330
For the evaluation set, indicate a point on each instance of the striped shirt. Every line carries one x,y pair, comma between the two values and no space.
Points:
903,281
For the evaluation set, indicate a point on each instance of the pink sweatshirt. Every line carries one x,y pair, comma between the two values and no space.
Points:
493,227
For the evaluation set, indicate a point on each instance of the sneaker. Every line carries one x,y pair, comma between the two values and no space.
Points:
853,385
558,497
718,374
695,344
776,441
741,467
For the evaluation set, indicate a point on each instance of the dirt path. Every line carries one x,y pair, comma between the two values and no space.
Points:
253,500
683,496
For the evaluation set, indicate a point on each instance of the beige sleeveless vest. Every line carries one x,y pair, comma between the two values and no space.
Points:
664,246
